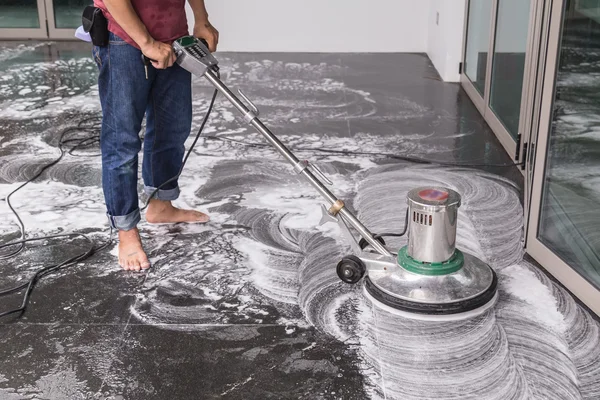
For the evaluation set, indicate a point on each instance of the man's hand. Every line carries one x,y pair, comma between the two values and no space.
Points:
161,54
204,30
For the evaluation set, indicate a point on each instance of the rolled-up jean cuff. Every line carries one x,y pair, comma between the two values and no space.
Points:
165,195
124,222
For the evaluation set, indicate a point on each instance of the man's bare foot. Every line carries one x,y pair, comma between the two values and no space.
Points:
131,253
163,212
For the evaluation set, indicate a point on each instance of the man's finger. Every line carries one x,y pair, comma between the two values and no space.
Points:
160,64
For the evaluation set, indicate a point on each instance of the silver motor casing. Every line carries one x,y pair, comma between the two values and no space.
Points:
432,217
193,55
464,293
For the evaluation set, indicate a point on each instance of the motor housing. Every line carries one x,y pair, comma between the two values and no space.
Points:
431,279
432,217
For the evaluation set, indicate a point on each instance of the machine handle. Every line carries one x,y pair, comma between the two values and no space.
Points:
299,166
147,60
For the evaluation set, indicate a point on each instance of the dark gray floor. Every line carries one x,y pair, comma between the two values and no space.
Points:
241,308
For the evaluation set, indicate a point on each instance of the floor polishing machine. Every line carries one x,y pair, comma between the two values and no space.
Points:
429,279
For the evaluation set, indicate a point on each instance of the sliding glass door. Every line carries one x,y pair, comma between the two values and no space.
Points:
510,45
38,19
22,19
564,233
532,68
477,44
497,43
64,16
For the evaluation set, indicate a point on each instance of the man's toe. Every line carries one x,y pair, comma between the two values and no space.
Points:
201,217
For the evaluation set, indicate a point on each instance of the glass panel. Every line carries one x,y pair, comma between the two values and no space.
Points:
570,216
478,36
509,62
67,13
19,14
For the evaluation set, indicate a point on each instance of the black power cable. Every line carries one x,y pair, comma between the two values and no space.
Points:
64,139
416,160
391,234
91,249
210,107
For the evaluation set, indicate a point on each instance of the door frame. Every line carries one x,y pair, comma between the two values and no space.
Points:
53,31
514,147
29,33
535,78
570,278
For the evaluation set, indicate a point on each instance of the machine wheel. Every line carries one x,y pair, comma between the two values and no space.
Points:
362,243
351,269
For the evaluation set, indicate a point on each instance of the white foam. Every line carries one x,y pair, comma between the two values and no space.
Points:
524,284
53,206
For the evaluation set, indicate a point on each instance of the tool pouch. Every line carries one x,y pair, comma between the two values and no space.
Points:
94,22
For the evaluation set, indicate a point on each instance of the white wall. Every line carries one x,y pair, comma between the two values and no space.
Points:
445,35
320,25
343,26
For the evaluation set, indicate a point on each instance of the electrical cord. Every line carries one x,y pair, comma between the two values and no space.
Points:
20,243
91,249
62,141
208,112
391,234
415,160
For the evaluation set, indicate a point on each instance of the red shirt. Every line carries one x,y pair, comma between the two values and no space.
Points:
164,19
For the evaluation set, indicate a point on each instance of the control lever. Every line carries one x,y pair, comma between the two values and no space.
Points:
250,103
305,164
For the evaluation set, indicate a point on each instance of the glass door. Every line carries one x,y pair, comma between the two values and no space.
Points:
474,71
64,16
23,19
508,66
40,19
497,51
564,233
478,42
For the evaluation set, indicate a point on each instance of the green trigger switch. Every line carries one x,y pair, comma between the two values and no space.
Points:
186,41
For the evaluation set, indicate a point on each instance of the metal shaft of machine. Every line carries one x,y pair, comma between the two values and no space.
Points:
292,159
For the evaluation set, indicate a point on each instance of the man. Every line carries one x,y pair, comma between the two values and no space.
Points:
161,91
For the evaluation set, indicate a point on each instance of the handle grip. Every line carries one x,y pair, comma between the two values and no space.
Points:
147,60
204,42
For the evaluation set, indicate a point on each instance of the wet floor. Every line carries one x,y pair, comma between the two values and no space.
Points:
249,306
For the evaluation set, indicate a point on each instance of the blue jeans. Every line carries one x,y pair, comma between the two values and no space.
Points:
165,98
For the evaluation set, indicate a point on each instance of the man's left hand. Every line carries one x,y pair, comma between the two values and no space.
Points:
204,30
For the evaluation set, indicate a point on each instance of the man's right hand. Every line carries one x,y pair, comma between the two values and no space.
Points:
161,54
